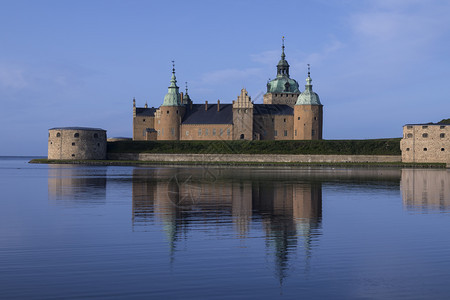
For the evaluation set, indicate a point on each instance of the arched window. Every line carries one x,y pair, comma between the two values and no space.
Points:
76,135
425,149
58,134
409,135
425,135
242,136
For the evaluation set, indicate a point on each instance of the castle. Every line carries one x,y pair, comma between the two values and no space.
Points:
287,114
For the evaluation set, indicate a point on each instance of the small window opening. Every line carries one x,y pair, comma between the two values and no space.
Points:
73,155
442,149
409,135
73,144
242,136
407,149
96,135
58,134
425,149
425,135
76,135
442,135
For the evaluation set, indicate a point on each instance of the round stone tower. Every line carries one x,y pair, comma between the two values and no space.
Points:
168,119
76,143
308,114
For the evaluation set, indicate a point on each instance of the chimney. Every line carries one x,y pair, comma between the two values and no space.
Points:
218,105
181,96
206,105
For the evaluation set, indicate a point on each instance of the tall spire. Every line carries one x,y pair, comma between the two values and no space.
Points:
173,97
283,66
308,85
173,80
186,88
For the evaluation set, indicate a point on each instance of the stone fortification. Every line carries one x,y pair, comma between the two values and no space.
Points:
76,143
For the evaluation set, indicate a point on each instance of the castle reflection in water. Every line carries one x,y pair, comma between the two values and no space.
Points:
286,202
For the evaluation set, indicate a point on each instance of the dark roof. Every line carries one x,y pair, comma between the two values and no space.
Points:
272,109
428,124
76,128
198,114
142,111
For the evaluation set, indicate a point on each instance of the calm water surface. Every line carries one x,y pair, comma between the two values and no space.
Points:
212,233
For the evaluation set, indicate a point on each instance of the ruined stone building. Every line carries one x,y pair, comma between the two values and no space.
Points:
287,114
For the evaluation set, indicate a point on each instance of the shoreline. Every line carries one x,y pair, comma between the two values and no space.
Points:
239,163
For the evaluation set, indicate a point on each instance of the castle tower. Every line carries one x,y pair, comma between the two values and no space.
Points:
308,114
243,117
282,89
169,115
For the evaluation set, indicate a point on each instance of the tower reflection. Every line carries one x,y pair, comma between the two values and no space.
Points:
76,183
426,190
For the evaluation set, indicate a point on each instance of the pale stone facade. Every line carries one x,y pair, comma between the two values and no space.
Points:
76,143
426,143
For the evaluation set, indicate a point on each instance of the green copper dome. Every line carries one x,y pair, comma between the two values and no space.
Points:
173,97
308,97
283,83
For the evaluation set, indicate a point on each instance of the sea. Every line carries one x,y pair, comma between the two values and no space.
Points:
204,232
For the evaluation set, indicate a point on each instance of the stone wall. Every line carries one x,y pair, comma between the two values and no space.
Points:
281,98
203,132
254,158
426,143
76,143
140,126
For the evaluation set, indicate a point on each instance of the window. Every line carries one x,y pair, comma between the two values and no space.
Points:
76,135
407,149
425,135
73,144
228,132
442,149
313,132
98,144
167,112
162,131
187,132
221,132
425,149
206,131
95,135
200,132
173,131
159,132
315,118
442,135
442,127
145,131
214,131
424,127
275,133
284,120
73,155
58,134
295,132
409,127
143,120
298,118
242,136
177,111
409,135
285,133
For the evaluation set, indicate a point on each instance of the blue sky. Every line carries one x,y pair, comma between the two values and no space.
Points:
376,64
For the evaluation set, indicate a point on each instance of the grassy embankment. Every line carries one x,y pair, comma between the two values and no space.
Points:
322,147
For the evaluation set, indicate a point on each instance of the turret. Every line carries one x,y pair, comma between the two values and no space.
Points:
171,112
308,114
